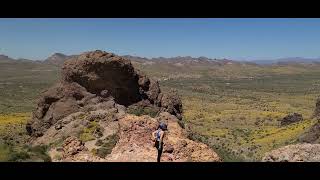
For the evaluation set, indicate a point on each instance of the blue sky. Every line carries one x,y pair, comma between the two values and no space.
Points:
243,39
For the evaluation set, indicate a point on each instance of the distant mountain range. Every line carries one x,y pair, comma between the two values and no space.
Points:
290,60
58,59
182,60
7,59
4,58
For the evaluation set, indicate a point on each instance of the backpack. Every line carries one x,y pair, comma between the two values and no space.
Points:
158,134
163,126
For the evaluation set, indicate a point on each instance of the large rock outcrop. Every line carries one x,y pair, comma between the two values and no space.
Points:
93,78
312,135
317,109
86,117
98,71
291,118
135,143
294,153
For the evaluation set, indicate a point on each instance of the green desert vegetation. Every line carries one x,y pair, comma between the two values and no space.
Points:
13,142
87,134
21,83
137,110
106,145
239,117
234,108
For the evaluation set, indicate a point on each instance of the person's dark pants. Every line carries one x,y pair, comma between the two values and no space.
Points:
159,150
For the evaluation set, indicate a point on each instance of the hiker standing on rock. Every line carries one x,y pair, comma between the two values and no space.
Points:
158,136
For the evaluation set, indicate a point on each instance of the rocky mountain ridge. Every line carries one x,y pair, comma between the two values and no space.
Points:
89,115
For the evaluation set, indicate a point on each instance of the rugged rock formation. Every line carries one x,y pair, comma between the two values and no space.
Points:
95,77
135,143
73,150
291,118
312,135
84,117
98,71
317,109
294,153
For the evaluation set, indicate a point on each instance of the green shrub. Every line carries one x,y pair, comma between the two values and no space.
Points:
110,141
4,152
135,110
84,137
18,156
99,142
25,153
138,110
87,133
94,151
40,152
107,145
103,152
152,112
38,149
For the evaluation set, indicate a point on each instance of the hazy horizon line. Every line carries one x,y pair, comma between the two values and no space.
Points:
167,57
